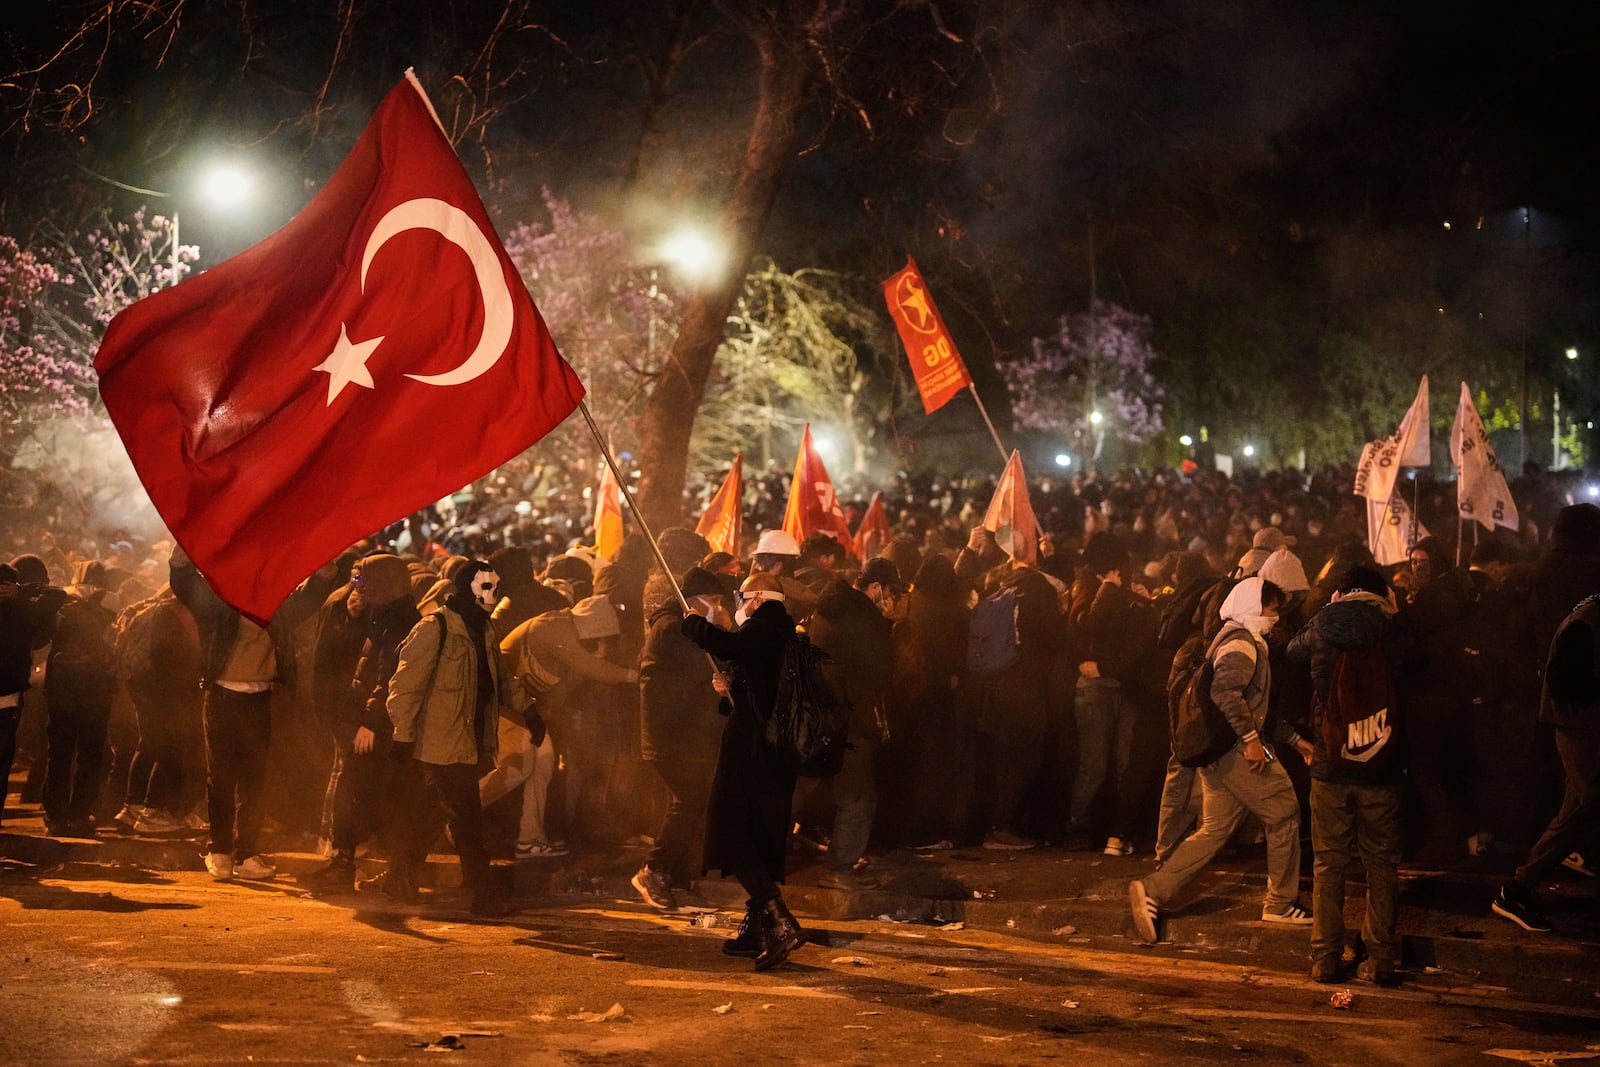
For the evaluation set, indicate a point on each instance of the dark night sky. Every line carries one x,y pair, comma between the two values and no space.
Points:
1205,139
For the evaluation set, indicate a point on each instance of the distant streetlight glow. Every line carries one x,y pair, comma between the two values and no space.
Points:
824,446
1095,418
1249,450
692,253
1186,440
1063,460
225,186
1572,353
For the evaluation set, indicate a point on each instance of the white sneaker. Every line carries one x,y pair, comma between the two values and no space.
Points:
535,850
156,821
1116,846
1146,913
130,815
256,868
220,865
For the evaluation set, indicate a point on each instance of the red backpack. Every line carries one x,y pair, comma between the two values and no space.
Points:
1361,719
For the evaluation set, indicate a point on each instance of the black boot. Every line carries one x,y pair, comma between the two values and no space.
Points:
780,935
395,883
747,942
338,873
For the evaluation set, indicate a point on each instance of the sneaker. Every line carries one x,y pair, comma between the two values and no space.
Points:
220,866
1576,862
1146,913
255,868
1006,841
1512,902
537,850
654,889
156,821
1293,915
1325,970
692,903
942,845
1116,846
128,817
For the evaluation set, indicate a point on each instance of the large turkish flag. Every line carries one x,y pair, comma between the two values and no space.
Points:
376,353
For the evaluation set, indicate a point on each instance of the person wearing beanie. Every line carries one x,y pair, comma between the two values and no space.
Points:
551,661
444,702
522,596
381,599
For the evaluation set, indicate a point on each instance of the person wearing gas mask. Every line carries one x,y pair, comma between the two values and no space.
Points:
1248,778
444,701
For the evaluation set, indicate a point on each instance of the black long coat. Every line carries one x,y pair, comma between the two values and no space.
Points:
749,816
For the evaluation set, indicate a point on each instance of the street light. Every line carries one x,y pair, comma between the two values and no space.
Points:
1249,450
694,254
223,186
1186,441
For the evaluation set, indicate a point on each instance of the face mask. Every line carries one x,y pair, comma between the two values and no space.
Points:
741,615
1259,624
485,589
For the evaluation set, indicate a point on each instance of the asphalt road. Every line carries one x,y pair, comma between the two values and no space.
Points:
103,964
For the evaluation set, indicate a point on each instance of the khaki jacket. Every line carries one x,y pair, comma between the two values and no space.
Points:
433,694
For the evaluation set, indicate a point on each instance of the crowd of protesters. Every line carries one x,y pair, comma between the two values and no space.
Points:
482,673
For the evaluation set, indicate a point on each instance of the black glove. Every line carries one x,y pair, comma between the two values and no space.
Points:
535,725
400,751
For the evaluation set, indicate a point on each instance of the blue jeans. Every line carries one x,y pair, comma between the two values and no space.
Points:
1105,719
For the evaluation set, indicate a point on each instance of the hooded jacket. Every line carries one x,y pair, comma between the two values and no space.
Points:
1242,675
1355,621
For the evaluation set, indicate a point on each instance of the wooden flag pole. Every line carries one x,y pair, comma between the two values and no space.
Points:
1005,457
638,516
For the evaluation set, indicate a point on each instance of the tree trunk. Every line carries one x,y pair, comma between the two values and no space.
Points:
668,416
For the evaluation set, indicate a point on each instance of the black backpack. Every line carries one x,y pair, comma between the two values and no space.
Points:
1201,733
811,717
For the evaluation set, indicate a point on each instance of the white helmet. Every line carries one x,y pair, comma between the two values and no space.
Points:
777,543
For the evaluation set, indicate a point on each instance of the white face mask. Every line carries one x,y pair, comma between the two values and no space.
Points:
1259,625
486,589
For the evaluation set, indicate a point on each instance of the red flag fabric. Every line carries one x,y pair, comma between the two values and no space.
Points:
1010,514
607,514
376,353
812,503
874,535
722,524
935,363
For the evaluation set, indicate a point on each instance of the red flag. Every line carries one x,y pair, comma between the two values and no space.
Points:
935,363
874,535
1010,515
376,353
607,514
722,524
812,503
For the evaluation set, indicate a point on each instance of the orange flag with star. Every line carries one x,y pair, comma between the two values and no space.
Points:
935,363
